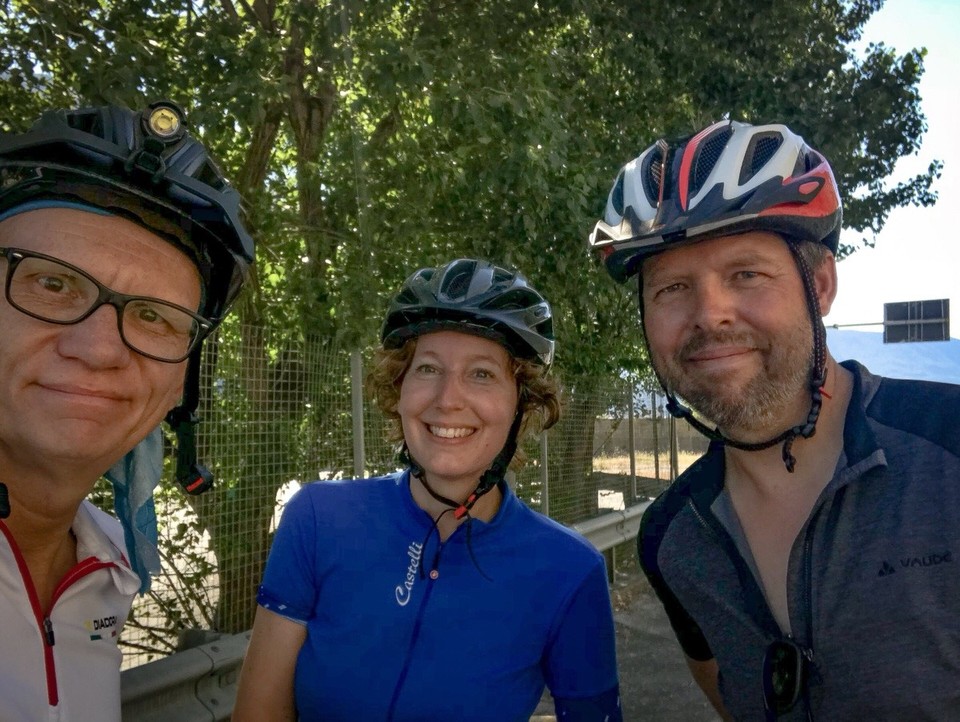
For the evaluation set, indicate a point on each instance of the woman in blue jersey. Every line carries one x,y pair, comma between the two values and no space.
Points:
434,593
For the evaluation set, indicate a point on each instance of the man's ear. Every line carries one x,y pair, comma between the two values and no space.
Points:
825,283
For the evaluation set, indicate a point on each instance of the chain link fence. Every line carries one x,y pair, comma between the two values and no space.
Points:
281,412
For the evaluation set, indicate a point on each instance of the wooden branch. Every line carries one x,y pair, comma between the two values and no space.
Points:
388,126
230,8
263,9
254,170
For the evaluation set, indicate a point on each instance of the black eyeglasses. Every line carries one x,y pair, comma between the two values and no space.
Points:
49,289
786,667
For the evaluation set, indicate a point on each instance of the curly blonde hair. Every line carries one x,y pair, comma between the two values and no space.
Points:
538,393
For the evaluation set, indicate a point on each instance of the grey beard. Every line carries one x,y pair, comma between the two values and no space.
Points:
763,401
756,408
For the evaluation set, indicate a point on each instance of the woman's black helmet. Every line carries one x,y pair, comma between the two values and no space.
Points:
474,297
142,165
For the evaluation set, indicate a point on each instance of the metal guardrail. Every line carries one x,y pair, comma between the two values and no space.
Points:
617,527
200,684
195,685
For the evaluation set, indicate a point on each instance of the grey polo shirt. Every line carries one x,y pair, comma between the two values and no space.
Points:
873,580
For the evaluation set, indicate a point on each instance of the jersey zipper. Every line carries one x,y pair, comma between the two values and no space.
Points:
418,623
807,597
395,698
44,623
756,597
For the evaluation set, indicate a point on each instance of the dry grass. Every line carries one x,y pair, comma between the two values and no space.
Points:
645,463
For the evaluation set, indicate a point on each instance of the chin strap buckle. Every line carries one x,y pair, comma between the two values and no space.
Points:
198,481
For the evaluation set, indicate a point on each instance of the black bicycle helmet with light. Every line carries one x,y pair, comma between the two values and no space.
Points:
143,165
146,167
478,298
728,178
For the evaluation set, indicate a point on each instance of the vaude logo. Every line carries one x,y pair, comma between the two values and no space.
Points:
930,560
403,591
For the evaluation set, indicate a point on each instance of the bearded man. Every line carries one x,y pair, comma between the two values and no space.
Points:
808,562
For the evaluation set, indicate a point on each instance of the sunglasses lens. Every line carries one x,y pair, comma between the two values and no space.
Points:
782,676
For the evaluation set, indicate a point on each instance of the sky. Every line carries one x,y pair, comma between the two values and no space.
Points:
917,254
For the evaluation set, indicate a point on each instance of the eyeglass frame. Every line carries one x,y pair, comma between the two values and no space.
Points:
799,667
105,296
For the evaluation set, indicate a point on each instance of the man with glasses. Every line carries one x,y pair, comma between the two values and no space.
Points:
809,562
121,249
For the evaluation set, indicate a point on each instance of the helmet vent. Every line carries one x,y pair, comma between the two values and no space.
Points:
616,195
807,161
761,149
86,121
457,283
652,180
652,170
209,173
500,275
514,300
707,156
406,297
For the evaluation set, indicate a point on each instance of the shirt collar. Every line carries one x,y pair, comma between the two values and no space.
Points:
90,527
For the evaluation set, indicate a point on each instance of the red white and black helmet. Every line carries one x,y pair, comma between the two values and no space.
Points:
729,178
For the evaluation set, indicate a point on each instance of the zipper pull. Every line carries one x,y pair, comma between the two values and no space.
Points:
48,631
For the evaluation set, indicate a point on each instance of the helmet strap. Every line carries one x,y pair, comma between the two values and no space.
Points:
489,479
192,476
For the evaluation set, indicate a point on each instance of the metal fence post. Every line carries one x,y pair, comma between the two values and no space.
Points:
632,447
656,436
356,404
674,450
544,476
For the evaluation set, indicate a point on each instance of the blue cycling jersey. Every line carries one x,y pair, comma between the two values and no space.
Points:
477,642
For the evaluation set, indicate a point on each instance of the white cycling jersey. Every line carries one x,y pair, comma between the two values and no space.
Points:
63,664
